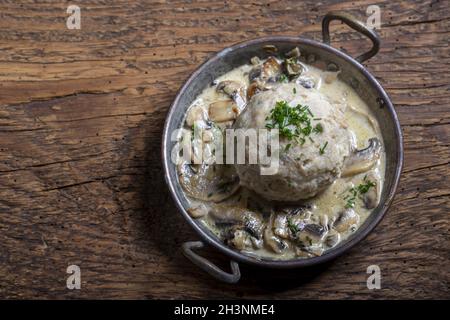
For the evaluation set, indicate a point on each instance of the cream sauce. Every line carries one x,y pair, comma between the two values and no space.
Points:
327,205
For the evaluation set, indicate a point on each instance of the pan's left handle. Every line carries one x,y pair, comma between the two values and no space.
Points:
208,266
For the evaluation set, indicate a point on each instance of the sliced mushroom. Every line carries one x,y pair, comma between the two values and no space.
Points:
255,87
235,90
197,211
255,60
330,76
270,70
310,235
315,250
362,160
196,143
270,48
332,238
294,53
370,118
229,87
324,221
247,220
303,210
224,214
254,225
224,110
302,253
280,226
305,82
293,67
307,248
238,238
208,135
315,230
345,220
273,242
295,224
197,112
372,196
214,182
257,243
255,73
224,125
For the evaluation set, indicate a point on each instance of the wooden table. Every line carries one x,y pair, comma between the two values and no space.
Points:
81,116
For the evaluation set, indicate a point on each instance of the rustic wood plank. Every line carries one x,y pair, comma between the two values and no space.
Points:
81,116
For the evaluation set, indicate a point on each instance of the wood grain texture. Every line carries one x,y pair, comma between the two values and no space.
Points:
81,117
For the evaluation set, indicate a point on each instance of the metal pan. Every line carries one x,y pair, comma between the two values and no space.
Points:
352,72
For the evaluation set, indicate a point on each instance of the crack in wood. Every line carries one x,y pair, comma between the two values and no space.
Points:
412,23
78,184
40,165
72,94
426,167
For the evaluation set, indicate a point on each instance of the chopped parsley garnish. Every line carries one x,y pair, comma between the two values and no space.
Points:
293,123
292,226
358,191
193,129
364,188
288,146
322,149
301,140
294,90
283,78
318,128
350,199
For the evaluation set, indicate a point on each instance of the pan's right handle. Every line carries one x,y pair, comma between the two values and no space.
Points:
208,266
355,24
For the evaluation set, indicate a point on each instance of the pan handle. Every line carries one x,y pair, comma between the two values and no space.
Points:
208,266
356,25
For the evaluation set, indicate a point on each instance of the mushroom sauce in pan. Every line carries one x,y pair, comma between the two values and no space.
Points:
331,158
